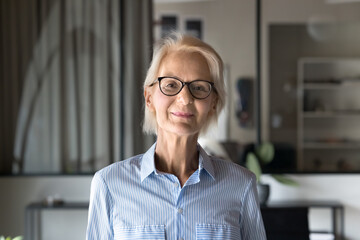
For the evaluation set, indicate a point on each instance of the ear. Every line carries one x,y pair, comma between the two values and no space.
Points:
214,102
148,99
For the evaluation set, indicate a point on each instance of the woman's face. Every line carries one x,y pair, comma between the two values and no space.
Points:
181,114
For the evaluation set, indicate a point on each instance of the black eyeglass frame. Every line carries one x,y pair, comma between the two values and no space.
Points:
183,84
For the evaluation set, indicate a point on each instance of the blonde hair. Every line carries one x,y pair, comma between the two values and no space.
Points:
179,42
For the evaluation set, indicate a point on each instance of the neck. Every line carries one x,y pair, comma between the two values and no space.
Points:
177,155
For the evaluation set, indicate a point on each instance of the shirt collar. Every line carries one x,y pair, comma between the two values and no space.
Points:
148,163
205,162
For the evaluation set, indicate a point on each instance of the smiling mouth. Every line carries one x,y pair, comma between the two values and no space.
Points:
182,114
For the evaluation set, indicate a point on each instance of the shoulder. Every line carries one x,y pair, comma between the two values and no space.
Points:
120,169
232,171
231,179
113,180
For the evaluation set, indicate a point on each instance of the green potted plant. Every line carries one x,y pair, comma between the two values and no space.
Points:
9,238
263,154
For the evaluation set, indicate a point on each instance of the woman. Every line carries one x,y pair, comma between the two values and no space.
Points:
175,190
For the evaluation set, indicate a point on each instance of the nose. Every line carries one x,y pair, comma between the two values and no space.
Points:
184,96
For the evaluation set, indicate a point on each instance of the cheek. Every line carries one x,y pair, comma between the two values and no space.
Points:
160,103
211,105
205,110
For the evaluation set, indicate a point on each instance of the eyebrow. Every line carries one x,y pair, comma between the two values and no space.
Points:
176,77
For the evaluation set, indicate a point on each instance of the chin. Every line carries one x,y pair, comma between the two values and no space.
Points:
184,130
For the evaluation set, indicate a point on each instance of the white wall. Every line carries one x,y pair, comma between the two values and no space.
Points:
17,192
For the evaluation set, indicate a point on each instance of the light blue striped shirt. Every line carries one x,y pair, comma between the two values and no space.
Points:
132,200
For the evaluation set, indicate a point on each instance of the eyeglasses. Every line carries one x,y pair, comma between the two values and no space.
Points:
171,86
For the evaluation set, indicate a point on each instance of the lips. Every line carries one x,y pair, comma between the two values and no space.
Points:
182,114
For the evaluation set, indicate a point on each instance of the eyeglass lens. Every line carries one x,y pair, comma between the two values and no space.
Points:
198,88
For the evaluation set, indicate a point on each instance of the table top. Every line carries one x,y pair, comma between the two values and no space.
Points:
303,203
60,206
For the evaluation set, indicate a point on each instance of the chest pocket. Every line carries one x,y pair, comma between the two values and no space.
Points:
156,232
215,231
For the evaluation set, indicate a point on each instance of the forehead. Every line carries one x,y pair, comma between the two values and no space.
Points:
185,65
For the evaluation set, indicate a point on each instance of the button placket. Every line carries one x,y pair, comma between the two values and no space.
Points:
180,210
180,215
177,191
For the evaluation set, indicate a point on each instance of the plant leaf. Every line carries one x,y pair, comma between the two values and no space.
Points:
284,180
253,165
266,152
18,238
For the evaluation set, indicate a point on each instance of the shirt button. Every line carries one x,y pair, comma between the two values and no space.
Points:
176,184
180,210
181,239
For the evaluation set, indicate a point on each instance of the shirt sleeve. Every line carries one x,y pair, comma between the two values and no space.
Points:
251,223
100,211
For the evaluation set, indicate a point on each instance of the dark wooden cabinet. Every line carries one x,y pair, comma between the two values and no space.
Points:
285,220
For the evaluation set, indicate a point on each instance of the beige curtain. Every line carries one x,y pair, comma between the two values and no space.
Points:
75,68
138,28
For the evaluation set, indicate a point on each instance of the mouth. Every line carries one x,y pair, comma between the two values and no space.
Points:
182,114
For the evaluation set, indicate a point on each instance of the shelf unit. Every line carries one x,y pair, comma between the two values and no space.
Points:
328,120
